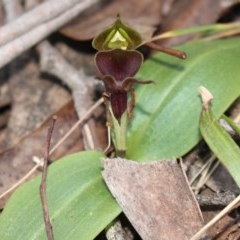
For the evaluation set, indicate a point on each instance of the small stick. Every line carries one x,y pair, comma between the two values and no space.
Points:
169,51
18,45
203,168
48,225
25,177
217,199
42,13
80,121
109,137
227,209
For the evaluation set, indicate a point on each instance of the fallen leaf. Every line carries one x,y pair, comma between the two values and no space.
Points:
34,99
189,14
143,15
155,197
225,227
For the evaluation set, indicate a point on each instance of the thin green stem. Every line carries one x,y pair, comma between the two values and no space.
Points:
207,29
119,133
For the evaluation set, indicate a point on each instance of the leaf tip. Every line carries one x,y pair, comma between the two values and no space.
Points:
206,97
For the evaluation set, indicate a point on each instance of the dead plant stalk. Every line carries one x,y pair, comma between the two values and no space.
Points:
38,30
43,184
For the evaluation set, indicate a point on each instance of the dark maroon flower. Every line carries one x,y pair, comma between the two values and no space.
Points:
117,68
118,63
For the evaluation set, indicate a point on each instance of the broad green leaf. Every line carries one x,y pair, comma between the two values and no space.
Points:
166,117
79,202
220,143
165,124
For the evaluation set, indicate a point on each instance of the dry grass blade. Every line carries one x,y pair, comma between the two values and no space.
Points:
80,121
23,42
226,210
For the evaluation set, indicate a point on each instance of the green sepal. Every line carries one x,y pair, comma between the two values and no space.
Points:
117,36
119,132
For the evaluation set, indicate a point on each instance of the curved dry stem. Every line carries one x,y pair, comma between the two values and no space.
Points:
23,179
80,121
109,138
227,209
169,51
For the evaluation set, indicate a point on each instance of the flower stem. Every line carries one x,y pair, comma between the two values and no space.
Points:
119,133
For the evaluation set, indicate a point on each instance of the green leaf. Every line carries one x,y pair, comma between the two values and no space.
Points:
232,124
165,124
220,143
166,117
79,202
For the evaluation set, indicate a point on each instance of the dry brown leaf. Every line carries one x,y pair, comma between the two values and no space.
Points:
155,197
186,13
143,15
17,161
226,228
34,99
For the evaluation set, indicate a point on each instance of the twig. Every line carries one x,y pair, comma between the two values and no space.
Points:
13,8
216,218
216,199
40,14
23,179
52,61
203,168
206,171
48,225
29,4
80,121
109,138
20,44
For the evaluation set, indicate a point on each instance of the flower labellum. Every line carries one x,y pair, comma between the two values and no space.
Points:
117,68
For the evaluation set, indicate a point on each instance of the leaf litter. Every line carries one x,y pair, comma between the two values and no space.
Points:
175,18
